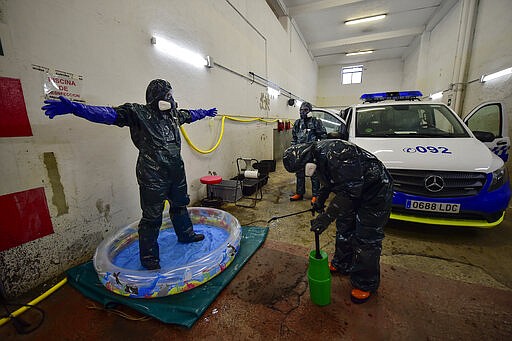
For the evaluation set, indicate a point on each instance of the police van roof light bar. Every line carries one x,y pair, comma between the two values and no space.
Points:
391,95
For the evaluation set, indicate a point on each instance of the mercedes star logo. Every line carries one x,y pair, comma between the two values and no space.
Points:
434,183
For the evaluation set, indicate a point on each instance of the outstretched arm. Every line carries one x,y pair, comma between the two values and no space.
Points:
105,115
197,114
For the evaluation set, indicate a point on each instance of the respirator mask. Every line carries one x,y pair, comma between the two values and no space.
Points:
305,113
165,106
167,103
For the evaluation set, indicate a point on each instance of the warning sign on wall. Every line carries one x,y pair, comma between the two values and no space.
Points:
60,83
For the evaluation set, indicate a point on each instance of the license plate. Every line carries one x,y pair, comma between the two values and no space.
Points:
432,206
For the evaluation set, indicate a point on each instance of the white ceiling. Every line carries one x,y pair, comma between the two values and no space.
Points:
321,24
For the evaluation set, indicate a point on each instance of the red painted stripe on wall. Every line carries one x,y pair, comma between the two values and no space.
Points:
24,217
13,112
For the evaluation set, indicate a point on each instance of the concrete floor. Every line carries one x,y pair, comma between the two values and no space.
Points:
437,283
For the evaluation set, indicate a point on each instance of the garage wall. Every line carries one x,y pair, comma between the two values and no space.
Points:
432,62
87,171
492,51
382,75
429,66
410,74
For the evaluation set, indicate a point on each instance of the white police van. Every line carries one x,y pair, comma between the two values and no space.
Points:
443,171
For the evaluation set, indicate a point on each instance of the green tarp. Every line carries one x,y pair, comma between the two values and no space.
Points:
184,308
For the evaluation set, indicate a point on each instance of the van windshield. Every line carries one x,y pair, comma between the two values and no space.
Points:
408,120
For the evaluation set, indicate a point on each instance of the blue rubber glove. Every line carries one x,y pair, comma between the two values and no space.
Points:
105,115
198,114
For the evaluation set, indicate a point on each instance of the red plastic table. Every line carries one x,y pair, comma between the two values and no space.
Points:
211,179
210,201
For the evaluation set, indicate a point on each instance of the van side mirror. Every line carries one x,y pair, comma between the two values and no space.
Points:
343,132
484,136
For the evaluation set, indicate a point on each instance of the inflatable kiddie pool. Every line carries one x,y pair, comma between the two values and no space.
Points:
183,266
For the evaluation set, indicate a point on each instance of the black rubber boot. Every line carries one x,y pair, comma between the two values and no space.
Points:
148,243
183,226
196,237
335,270
150,264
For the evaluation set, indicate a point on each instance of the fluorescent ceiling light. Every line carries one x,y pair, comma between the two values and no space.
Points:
178,52
437,95
298,103
366,19
495,75
358,53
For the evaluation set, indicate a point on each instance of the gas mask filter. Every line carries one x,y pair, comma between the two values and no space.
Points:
167,103
310,169
164,105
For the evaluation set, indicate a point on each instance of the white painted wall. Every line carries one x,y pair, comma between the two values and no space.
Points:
492,51
410,73
432,61
383,75
441,58
108,43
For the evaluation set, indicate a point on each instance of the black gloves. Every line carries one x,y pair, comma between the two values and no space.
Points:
320,223
339,204
318,207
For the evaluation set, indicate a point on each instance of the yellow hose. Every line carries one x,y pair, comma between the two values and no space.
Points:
35,301
187,138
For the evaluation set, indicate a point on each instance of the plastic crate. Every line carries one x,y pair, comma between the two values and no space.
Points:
265,166
249,186
227,190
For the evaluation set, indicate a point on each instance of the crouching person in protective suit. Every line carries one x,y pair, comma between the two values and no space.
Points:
154,129
363,191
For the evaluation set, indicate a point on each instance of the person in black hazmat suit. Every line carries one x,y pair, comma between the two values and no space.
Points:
306,129
154,129
363,191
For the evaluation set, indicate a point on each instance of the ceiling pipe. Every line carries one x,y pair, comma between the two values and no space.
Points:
283,92
462,60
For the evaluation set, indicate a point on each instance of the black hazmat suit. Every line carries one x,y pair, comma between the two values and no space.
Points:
160,168
363,191
307,129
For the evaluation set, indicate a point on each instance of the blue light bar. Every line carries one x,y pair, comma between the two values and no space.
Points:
391,95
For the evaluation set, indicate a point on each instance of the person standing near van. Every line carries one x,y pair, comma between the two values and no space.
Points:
306,129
